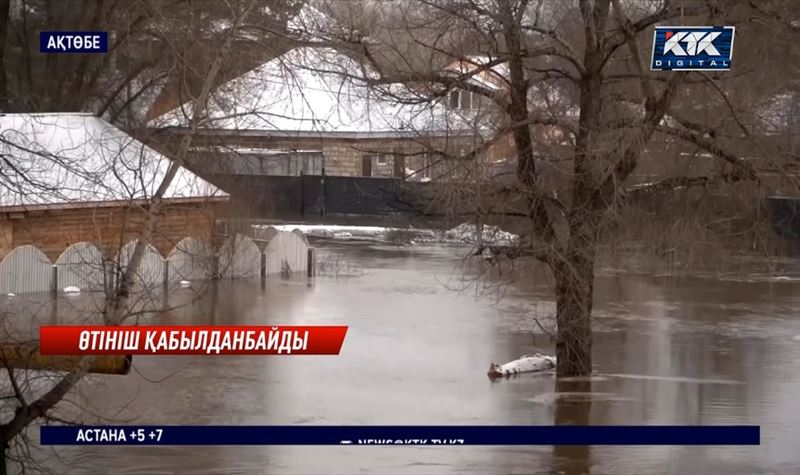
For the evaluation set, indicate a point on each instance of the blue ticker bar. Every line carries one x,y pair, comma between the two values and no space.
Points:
400,435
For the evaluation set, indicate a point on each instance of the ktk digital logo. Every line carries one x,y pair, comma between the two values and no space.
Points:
692,48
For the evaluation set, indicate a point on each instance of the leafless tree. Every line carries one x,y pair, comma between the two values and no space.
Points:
33,395
569,83
159,52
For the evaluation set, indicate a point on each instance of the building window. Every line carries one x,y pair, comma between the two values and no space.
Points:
454,99
460,99
381,160
426,165
418,167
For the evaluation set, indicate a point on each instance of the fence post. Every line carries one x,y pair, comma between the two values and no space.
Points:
311,262
54,286
263,265
324,199
166,275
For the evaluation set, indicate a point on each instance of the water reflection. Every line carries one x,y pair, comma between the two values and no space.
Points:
573,407
667,351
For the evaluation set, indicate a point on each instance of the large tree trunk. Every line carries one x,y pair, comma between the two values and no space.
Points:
574,291
574,270
574,319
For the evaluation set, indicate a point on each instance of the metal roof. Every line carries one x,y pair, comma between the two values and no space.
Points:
319,91
75,158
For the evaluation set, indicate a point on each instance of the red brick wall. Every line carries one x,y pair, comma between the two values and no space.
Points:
109,228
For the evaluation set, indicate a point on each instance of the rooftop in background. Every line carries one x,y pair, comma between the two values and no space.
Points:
75,158
488,72
319,91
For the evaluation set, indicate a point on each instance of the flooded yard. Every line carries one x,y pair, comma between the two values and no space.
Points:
694,350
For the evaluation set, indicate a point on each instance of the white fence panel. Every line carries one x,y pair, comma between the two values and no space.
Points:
81,265
151,270
266,233
240,257
286,250
25,269
301,234
191,259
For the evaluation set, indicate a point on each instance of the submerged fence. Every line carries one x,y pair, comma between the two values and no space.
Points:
84,267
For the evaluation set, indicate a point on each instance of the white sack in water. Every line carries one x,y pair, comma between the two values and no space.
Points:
525,364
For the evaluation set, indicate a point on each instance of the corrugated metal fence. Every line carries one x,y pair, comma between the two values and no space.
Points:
26,269
286,252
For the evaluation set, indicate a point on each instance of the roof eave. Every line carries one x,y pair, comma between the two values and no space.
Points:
324,134
109,204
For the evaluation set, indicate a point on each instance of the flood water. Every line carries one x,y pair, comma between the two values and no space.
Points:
666,351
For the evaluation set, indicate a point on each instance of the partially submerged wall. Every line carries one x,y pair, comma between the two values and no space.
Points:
54,229
26,269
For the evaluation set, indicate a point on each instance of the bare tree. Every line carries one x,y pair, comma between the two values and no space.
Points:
570,86
37,401
159,51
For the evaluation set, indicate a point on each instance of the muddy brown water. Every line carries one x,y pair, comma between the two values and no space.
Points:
694,350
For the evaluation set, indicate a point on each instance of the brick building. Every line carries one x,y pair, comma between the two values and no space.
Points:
306,100
341,154
71,178
306,103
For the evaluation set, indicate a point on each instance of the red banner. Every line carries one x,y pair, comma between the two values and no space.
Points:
191,340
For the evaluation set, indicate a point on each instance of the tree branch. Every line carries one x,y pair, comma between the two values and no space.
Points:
744,169
641,191
618,37
27,414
